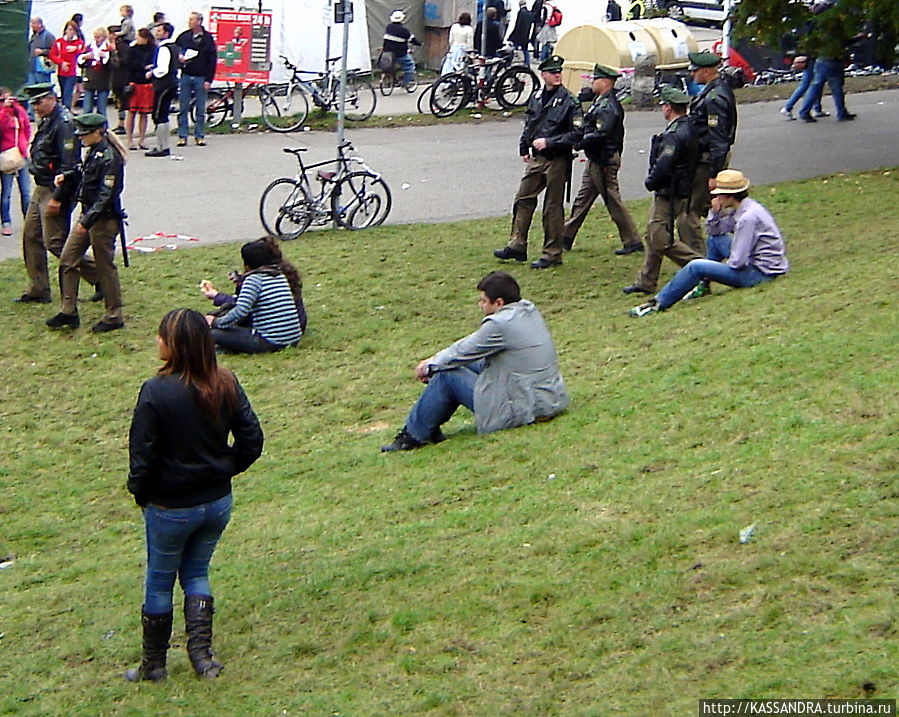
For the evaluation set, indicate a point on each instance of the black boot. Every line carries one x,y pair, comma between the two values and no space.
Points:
198,611
157,631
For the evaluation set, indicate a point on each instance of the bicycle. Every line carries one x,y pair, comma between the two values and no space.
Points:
389,68
510,85
285,106
220,103
353,198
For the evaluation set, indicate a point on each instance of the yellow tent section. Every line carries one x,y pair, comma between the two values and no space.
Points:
619,45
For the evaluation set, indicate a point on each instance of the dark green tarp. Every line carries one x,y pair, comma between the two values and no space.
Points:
14,32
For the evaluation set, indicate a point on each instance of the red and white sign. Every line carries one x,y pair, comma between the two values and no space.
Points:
243,42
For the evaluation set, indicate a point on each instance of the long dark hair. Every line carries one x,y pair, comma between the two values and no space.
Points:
289,270
192,357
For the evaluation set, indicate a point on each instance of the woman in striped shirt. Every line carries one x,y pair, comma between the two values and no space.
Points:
264,319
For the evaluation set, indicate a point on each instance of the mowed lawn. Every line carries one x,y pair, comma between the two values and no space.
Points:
586,566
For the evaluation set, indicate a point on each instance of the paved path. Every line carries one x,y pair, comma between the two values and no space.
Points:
467,171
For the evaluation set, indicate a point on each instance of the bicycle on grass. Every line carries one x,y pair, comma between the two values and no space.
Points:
286,105
509,84
354,198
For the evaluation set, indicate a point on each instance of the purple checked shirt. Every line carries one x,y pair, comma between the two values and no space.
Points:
757,241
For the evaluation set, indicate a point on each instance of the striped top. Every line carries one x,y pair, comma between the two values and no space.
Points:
267,300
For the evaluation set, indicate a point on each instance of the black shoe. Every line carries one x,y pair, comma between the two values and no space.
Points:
629,249
848,117
544,263
437,436
568,244
182,142
97,295
508,253
29,299
157,152
807,118
402,442
101,327
634,289
119,130
61,320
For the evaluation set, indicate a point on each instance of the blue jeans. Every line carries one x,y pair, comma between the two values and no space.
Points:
717,246
445,392
831,72
706,269
804,84
24,179
525,49
101,96
243,340
192,89
406,63
67,88
180,542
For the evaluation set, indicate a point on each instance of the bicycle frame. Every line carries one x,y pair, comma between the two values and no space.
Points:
321,198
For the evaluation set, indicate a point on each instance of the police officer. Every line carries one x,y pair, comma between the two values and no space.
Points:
54,150
714,115
672,164
603,142
552,128
99,194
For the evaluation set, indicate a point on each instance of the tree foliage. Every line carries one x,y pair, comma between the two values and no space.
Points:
828,30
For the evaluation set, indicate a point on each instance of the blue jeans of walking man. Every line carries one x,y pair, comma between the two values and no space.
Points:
804,84
831,72
192,89
445,392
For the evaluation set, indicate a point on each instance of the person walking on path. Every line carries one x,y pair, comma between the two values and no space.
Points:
164,76
181,467
552,128
603,143
197,57
102,181
15,131
520,37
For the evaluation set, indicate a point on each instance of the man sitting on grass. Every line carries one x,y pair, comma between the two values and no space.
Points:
757,252
506,372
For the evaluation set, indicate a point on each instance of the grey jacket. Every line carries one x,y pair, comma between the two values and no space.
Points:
520,381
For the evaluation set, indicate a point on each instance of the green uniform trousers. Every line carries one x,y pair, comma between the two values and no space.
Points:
601,181
101,239
689,223
660,241
43,231
541,173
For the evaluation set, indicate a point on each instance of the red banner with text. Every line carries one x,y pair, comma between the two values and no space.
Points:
243,41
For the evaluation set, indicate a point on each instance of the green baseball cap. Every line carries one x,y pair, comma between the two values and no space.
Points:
552,64
606,72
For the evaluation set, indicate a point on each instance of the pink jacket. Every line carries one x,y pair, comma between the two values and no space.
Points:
8,115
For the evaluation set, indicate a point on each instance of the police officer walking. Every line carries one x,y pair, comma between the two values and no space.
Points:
552,128
672,163
713,113
97,227
603,143
54,150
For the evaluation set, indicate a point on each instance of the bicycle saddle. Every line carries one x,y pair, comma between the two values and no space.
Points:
325,176
295,151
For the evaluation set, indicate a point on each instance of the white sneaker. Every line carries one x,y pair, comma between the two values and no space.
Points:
788,114
650,307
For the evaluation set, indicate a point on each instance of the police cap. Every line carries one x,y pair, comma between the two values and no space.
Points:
552,64
605,72
85,124
673,96
39,91
703,59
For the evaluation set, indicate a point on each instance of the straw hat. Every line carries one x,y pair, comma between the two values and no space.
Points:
730,181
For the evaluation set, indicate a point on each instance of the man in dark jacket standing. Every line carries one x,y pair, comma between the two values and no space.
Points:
603,142
54,150
552,128
197,56
672,164
520,37
713,113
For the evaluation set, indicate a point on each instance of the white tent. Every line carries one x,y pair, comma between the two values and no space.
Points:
299,27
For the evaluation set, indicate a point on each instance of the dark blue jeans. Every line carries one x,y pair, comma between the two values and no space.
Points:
243,340
445,392
831,72
180,543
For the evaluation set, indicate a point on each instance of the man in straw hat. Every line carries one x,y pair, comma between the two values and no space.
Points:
603,143
672,161
553,125
97,228
756,254
713,113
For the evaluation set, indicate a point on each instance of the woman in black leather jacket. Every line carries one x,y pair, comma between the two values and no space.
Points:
180,474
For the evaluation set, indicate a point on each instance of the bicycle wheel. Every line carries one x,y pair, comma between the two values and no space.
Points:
360,200
284,107
217,108
285,208
448,95
360,99
411,86
424,98
388,80
515,87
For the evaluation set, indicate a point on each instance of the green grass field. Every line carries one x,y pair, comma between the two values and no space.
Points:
587,566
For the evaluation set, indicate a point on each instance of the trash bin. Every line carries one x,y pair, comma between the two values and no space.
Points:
673,41
615,44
